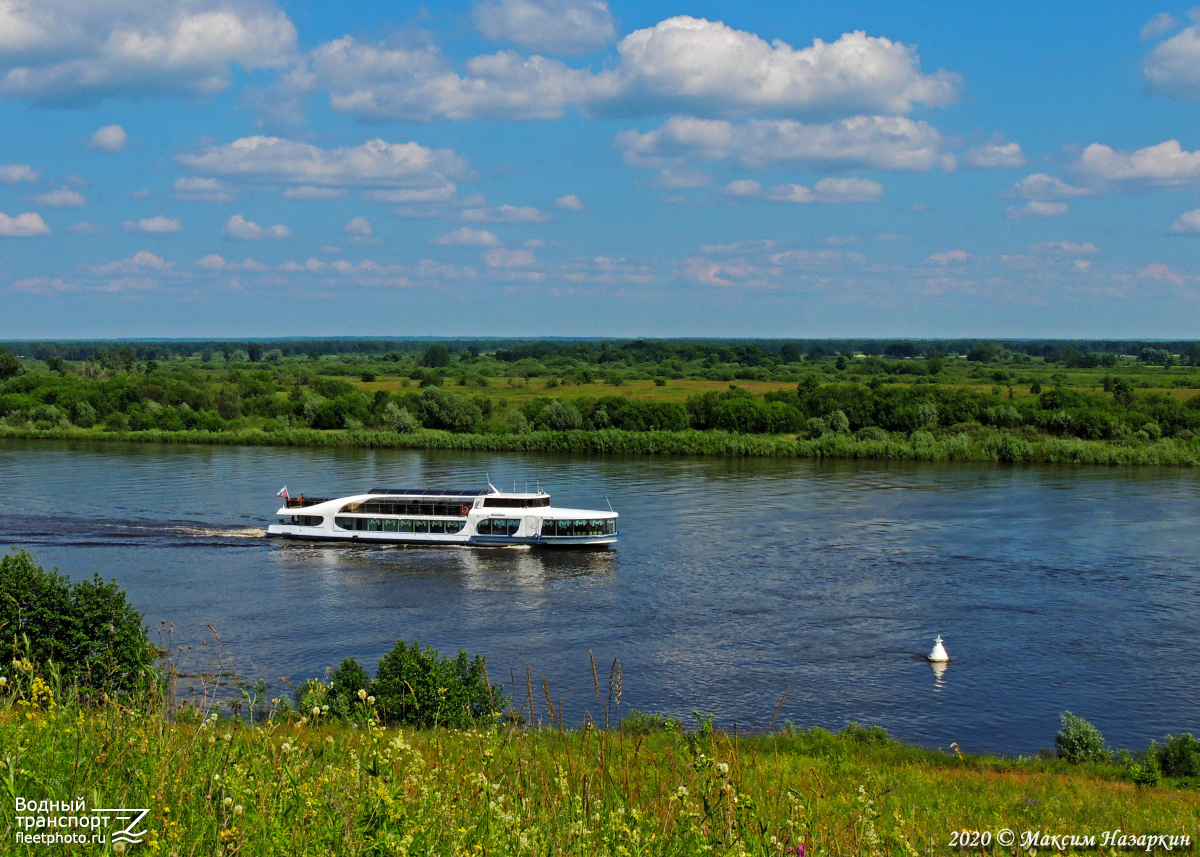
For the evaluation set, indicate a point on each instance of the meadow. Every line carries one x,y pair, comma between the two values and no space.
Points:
302,784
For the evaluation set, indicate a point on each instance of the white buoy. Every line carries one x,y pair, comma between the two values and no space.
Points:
938,655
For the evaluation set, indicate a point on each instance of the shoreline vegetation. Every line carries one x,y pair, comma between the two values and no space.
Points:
429,758
1015,402
983,446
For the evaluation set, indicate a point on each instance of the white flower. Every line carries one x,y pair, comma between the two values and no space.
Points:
239,809
362,694
316,711
370,700
228,801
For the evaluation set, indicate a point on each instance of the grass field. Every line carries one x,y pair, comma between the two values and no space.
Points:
302,786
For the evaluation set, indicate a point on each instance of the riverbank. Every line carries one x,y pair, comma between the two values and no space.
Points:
303,786
982,445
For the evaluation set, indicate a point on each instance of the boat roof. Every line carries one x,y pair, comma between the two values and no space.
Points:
428,492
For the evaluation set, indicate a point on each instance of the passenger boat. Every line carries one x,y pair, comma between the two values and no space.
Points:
490,518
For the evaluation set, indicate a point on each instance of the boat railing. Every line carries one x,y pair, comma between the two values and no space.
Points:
302,501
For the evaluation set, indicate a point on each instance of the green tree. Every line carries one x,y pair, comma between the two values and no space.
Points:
1122,391
1079,741
436,356
255,351
10,366
418,687
87,629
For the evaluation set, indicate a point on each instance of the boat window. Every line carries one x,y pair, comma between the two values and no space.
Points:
404,526
449,508
610,526
515,502
548,528
389,525
344,523
455,526
375,525
420,526
438,527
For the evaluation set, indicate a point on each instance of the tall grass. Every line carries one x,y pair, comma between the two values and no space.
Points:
299,785
981,445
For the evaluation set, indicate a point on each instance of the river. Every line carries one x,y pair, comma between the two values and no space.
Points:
734,580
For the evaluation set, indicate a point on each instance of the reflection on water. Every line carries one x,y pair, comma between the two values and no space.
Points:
734,579
939,674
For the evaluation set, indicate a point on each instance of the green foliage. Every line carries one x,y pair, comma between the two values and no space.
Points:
442,409
865,734
10,366
1180,756
1146,773
87,629
1079,741
418,687
437,356
643,723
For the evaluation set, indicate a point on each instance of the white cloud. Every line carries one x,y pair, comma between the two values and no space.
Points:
376,162
1161,272
110,138
144,193
838,240
358,226
214,262
1082,265
1038,208
506,214
28,225
743,187
1159,25
44,285
247,230
64,197
198,189
1163,165
570,202
1173,67
85,228
137,263
314,194
13,173
80,51
881,142
827,190
1068,247
1189,221
502,258
889,236
308,266
556,26
680,65
470,237
442,193
700,67
154,224
995,155
949,257
1046,187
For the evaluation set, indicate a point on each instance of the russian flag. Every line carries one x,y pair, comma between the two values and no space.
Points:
282,492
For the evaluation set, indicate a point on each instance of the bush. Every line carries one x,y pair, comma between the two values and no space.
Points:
1079,741
87,630
1146,773
1180,756
865,734
417,687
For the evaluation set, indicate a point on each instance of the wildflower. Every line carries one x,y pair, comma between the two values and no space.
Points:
286,748
316,711
228,736
370,700
723,769
3,681
228,801
239,809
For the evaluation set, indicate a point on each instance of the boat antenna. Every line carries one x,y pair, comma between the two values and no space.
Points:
487,477
609,502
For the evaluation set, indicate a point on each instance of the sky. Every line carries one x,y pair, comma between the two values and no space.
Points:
243,168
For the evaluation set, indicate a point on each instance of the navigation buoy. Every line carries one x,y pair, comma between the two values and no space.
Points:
938,655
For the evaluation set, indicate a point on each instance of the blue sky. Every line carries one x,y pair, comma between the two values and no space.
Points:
566,167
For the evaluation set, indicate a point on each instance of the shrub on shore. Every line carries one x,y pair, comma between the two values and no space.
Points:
83,633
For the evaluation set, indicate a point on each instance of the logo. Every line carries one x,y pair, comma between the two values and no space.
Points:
71,822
